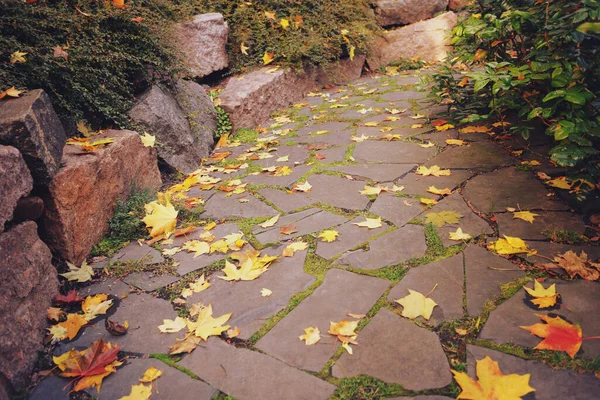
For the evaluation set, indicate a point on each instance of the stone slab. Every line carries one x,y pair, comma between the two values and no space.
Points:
313,223
249,375
547,382
580,302
149,282
478,156
336,138
267,178
295,154
418,184
331,301
285,201
114,286
338,192
395,210
350,236
327,126
334,154
172,384
390,249
402,95
376,172
494,191
417,361
392,152
136,252
484,283
144,313
285,277
448,275
550,250
544,222
50,388
219,206
433,397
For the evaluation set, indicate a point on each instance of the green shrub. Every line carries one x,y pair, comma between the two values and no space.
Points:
536,61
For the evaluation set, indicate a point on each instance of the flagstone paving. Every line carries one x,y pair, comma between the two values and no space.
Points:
358,276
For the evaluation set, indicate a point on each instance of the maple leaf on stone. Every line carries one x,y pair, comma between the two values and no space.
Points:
509,245
329,235
150,375
288,229
138,392
185,346
441,192
206,325
161,217
270,222
433,171
79,274
442,218
265,292
542,297
474,129
427,201
172,326
371,190
492,384
459,235
344,331
294,247
577,265
558,335
455,142
525,216
71,298
95,305
54,313
198,247
370,223
304,187
282,171
311,335
246,271
415,305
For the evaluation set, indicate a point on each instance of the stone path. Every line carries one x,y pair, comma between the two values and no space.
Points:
374,132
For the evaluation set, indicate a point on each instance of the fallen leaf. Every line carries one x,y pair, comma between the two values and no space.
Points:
357,316
441,192
18,57
161,217
304,187
442,218
200,284
141,391
525,216
558,335
509,245
11,92
172,326
427,145
415,305
150,375
244,49
371,190
371,123
328,235
456,142
359,139
311,335
416,126
60,52
492,384
343,328
474,129
206,325
79,274
445,127
294,247
233,332
434,171
370,223
560,183
270,222
459,235
70,298
288,229
148,140
115,328
270,15
543,297
283,171
427,201
265,292
246,271
198,247
54,313
284,23
95,305
577,265
185,346
268,58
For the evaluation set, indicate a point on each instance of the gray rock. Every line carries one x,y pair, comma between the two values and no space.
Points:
30,124
418,184
285,277
350,236
149,282
29,284
544,222
251,98
338,192
479,156
306,222
331,301
376,172
404,12
341,72
448,275
395,209
580,301
483,282
334,154
416,362
392,152
16,182
285,201
200,113
249,375
507,187
547,382
202,42
426,39
220,206
390,249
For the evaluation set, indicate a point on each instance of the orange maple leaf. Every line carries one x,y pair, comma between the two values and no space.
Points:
558,335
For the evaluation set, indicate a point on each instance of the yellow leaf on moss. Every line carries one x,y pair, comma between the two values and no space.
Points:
244,49
268,58
270,15
161,217
284,23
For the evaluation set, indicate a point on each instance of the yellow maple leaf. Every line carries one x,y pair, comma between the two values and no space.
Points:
219,246
185,346
343,328
54,313
427,201
415,305
172,326
370,223
199,247
371,190
509,245
284,23
150,375
444,127
95,305
328,235
206,325
459,235
371,123
351,52
543,297
200,284
265,292
492,383
303,187
161,217
456,142
58,332
311,335
270,222
245,272
73,324
441,192
294,247
416,126
474,129
81,274
244,49
427,145
560,183
18,57
270,15
283,171
138,392
268,58
525,216
148,140
433,170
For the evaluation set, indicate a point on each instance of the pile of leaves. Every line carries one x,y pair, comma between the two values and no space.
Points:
536,62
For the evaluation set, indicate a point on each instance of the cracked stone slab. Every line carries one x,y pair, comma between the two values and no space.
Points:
296,155
331,301
483,283
390,249
402,95
448,275
334,154
470,222
338,192
114,286
544,222
336,138
480,156
133,252
51,388
418,184
144,313
376,172
395,350
550,250
249,375
438,138
392,152
149,282
306,222
350,236
394,209
494,191
580,304
547,382
266,178
172,384
285,277
285,201
220,206
354,114
327,126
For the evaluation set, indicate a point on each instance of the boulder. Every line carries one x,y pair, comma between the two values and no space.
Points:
158,112
16,182
454,5
82,196
341,72
251,98
28,283
30,124
427,40
200,113
404,12
28,208
202,42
